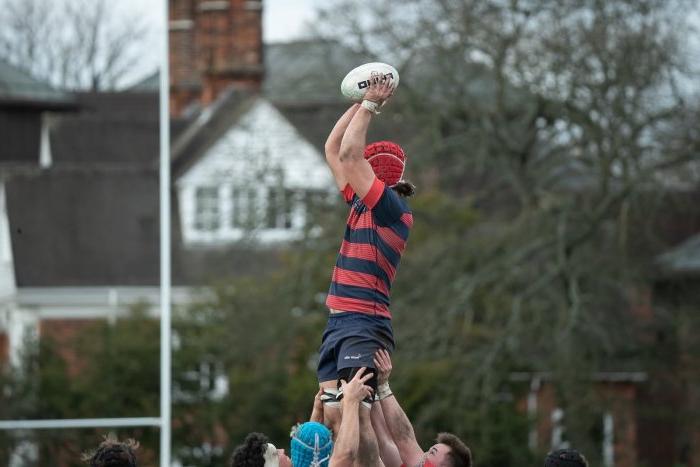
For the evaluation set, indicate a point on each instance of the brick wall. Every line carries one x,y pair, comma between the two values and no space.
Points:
63,333
213,44
620,399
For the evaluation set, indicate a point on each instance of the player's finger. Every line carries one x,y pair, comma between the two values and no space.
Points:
366,377
360,372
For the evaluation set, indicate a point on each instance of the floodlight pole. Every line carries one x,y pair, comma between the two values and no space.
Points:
165,266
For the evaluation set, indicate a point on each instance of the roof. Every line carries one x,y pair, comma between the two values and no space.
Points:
307,70
210,125
101,228
683,260
150,83
19,88
111,127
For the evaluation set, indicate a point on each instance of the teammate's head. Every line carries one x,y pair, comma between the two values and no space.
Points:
449,451
257,451
113,453
387,160
312,444
565,458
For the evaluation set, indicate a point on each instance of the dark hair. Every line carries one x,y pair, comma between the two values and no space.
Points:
405,188
113,453
565,458
459,455
252,452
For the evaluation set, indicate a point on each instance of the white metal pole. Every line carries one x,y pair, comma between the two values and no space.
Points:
78,423
165,305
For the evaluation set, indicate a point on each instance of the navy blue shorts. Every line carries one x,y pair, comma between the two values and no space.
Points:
350,340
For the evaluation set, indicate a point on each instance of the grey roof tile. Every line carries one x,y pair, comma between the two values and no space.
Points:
18,86
684,259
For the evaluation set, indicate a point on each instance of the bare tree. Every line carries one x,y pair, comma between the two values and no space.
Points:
72,44
565,120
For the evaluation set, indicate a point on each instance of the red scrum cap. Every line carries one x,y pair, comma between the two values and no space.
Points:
387,160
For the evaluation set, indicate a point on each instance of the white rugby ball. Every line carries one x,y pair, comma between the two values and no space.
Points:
356,82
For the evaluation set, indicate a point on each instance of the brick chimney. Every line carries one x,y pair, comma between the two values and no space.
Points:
213,44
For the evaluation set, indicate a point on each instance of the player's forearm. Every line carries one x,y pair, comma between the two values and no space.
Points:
401,431
348,441
396,420
353,144
335,137
316,414
388,450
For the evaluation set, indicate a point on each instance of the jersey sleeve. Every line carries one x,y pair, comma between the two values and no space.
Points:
348,193
386,205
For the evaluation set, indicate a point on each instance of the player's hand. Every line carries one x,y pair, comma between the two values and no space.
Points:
381,88
356,389
317,411
382,362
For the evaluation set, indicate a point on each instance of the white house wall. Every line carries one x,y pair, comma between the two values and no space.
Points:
262,146
7,273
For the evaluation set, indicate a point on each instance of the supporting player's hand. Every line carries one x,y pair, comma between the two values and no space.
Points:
380,90
317,412
356,389
382,362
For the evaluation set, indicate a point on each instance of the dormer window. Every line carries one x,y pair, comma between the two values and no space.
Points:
255,182
207,209
227,212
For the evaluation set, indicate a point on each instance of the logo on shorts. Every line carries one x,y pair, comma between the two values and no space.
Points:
353,357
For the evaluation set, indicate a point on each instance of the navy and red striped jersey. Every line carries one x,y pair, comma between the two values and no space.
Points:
375,237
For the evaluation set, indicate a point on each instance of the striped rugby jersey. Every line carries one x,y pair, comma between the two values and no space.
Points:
375,237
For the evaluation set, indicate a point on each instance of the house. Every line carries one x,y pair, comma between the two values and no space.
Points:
82,223
28,110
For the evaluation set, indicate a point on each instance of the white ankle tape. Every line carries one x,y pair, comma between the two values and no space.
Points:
330,397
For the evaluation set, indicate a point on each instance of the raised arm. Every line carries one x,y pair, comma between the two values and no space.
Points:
332,146
348,441
387,448
397,422
355,169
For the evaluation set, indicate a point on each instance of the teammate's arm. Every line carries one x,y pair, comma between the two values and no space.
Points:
398,423
387,448
355,169
332,146
317,411
348,441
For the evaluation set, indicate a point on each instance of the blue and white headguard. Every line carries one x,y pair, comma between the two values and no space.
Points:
312,445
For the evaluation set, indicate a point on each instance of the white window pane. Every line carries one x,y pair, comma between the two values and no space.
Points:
207,209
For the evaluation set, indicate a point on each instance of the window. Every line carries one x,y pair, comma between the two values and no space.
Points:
208,379
280,205
265,212
207,209
245,207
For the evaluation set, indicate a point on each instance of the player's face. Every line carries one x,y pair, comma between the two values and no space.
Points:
276,457
437,454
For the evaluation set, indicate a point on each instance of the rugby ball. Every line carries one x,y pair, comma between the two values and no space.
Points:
356,82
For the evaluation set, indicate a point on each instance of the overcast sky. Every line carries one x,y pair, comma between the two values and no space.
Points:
283,20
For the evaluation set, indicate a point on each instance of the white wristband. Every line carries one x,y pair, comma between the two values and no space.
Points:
371,106
384,391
